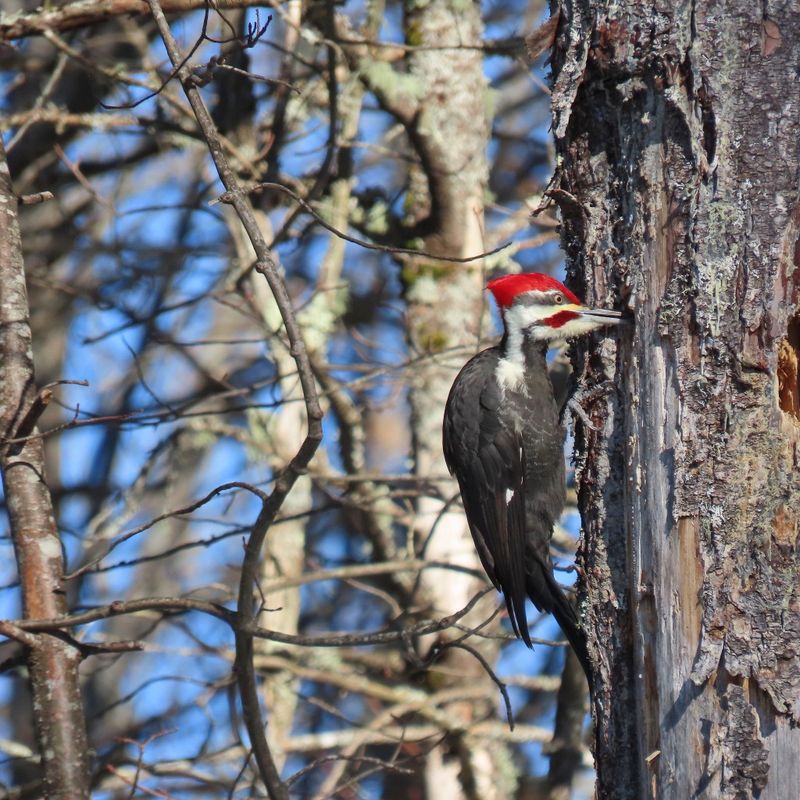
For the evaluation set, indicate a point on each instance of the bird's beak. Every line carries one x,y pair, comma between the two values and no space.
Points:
601,316
574,320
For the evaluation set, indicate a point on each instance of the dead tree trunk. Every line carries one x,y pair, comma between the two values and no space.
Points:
677,128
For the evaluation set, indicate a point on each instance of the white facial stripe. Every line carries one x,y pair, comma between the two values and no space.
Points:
523,316
531,320
572,307
510,372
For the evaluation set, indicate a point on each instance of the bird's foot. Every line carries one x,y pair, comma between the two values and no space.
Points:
581,396
576,408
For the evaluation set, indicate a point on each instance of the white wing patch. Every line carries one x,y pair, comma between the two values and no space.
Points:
509,496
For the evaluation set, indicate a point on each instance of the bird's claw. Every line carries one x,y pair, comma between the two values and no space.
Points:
577,410
574,404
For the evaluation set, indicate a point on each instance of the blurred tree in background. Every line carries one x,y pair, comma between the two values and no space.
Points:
264,227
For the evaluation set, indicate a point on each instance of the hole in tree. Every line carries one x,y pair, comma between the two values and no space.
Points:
789,369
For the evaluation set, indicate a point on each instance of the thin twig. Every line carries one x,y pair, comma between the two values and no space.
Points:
489,671
35,198
228,197
35,410
160,518
43,97
265,265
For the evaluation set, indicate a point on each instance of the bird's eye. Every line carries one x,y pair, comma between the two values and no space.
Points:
558,299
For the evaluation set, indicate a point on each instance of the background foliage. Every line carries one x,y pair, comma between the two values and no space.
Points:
142,284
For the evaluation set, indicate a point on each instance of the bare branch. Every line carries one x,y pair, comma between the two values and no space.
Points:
35,198
246,626
83,13
89,565
488,730
227,197
266,266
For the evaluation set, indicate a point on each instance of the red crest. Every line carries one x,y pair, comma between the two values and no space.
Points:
506,288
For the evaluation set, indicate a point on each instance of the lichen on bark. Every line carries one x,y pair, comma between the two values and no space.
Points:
678,155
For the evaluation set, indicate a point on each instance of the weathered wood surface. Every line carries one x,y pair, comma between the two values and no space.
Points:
677,128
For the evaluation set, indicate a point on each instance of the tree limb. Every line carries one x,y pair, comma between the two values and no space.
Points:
91,12
53,664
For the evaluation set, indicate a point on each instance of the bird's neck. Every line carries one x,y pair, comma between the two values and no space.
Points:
520,357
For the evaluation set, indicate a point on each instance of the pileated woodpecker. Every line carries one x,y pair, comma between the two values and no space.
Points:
504,442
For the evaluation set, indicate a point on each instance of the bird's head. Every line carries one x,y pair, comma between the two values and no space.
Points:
544,309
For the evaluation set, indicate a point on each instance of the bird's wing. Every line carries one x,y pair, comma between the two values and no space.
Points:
486,457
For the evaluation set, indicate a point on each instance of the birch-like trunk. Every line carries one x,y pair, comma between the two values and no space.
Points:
445,302
677,128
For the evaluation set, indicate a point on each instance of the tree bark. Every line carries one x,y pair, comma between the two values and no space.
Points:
52,661
677,127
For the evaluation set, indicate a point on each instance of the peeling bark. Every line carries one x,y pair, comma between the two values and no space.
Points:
677,130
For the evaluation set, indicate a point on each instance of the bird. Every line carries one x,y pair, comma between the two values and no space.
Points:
504,443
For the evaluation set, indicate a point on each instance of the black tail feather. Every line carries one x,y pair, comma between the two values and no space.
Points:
576,637
547,595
